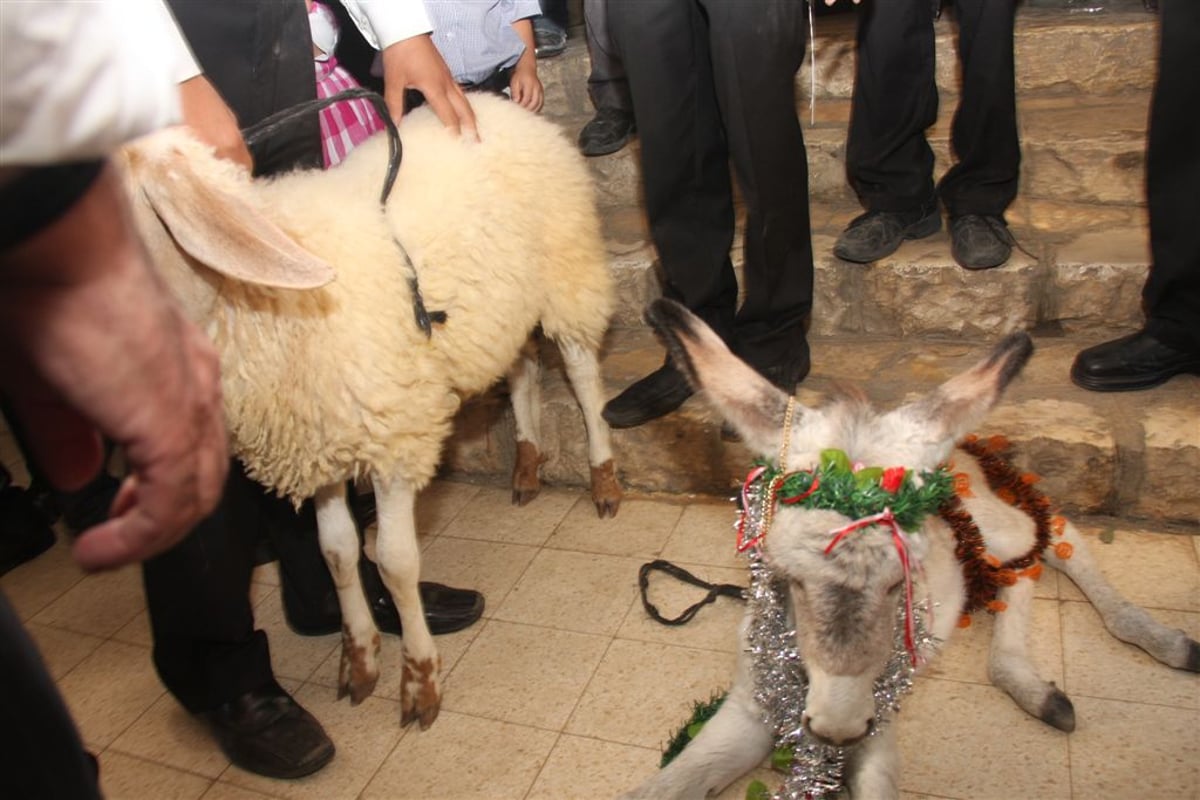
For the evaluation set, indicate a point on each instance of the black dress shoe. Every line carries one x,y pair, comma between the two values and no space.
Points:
607,132
446,609
1134,362
26,534
267,732
310,604
877,234
659,393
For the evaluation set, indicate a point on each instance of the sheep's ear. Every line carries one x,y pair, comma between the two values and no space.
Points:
749,402
224,233
960,404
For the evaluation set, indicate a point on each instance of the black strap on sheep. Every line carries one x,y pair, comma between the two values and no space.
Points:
265,128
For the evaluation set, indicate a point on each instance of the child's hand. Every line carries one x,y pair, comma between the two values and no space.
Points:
525,87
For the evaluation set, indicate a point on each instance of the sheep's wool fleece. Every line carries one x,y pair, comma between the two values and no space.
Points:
328,384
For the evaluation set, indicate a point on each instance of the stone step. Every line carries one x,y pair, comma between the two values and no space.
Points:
1073,149
1083,91
1106,52
1133,455
1086,281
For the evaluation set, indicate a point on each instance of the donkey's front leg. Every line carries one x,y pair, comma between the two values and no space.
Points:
1010,668
873,767
1124,620
360,638
730,744
400,567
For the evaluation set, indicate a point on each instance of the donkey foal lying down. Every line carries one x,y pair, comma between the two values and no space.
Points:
850,574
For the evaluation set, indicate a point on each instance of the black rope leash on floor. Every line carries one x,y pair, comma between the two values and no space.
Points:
715,590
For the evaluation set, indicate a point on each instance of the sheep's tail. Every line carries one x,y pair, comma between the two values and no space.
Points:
267,127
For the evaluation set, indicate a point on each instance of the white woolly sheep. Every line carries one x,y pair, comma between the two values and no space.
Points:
301,285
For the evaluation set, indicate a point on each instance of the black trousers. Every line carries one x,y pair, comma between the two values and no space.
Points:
888,160
41,752
259,57
712,82
607,85
1172,292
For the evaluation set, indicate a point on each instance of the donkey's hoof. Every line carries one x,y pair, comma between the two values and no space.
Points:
606,492
420,694
359,670
1058,711
1192,662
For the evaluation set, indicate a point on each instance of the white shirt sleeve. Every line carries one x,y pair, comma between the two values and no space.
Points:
385,22
79,79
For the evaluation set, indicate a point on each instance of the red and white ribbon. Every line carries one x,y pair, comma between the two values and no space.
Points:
907,563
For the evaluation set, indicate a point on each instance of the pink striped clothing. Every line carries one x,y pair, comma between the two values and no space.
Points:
348,123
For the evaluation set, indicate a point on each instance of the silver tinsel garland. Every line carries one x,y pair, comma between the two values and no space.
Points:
781,684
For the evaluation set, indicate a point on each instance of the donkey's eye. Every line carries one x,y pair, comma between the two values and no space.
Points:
895,586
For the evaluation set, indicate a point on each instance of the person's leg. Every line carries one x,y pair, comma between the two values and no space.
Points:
685,170
1169,343
613,125
1172,292
982,183
41,752
983,179
207,651
888,161
550,28
755,56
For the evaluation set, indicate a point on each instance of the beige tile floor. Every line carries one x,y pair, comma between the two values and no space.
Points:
567,690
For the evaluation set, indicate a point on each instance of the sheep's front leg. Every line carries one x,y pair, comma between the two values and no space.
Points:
728,746
400,567
360,638
1010,667
1124,620
525,388
583,370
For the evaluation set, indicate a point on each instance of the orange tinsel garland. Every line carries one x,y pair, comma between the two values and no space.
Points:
983,572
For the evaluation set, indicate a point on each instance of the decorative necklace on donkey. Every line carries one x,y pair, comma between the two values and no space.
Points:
899,500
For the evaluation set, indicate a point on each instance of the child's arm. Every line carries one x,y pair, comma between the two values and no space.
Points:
526,89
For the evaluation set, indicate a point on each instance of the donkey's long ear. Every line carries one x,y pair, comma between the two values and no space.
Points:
220,230
749,402
961,403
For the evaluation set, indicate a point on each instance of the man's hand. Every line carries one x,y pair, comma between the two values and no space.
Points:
415,63
205,112
92,345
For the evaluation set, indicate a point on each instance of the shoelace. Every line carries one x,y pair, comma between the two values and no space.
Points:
1000,230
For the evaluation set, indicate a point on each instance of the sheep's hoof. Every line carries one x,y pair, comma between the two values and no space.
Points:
525,481
606,492
1058,711
523,497
359,670
420,694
